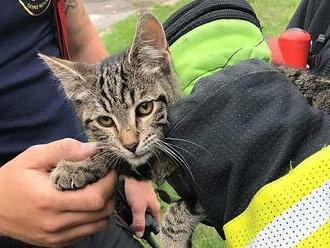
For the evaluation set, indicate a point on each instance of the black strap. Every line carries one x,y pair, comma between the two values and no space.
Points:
317,47
200,12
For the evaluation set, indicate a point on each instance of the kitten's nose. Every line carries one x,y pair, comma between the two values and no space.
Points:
131,147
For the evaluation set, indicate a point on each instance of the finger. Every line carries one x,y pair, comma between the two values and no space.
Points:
154,209
138,212
70,220
69,236
48,155
89,199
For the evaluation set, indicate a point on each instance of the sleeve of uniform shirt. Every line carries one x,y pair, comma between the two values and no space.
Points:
244,127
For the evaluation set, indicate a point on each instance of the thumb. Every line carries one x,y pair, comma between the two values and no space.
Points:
48,155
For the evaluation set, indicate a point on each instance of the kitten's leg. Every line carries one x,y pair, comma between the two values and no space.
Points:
75,175
178,225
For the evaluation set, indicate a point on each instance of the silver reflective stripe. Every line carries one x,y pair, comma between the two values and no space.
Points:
298,222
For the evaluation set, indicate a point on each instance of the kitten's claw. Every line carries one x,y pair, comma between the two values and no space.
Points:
71,177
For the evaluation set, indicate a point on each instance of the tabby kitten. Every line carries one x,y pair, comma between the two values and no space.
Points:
122,103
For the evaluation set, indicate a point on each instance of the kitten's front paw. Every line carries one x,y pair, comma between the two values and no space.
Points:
71,176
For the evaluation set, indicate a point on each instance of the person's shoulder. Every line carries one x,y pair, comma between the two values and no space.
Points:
245,74
246,68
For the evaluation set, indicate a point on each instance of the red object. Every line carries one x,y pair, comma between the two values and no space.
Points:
291,48
62,31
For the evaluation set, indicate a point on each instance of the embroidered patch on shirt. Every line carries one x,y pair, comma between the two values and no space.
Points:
35,7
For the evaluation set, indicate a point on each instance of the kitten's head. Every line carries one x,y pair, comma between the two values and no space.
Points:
122,101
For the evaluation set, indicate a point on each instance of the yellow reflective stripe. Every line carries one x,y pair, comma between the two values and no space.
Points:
297,222
276,197
319,239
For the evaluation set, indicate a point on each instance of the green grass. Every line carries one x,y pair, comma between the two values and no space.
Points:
206,237
273,15
122,32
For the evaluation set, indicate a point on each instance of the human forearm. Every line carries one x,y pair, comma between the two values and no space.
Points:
85,44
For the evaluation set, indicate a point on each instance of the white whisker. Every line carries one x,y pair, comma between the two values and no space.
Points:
190,142
175,155
185,150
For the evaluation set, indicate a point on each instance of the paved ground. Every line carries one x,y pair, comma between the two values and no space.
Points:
104,13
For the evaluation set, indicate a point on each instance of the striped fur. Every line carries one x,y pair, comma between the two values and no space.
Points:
108,97
116,87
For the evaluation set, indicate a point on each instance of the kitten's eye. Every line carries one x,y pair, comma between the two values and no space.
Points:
144,108
105,121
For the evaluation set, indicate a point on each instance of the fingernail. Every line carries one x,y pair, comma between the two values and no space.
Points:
139,234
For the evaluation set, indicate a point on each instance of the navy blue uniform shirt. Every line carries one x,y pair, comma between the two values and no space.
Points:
32,109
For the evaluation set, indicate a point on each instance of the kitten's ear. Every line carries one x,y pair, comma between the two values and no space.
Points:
150,47
76,78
